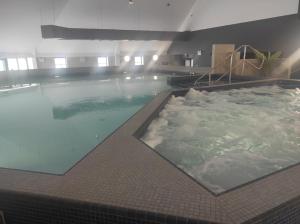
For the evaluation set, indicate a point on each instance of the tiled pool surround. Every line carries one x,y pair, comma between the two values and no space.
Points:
124,181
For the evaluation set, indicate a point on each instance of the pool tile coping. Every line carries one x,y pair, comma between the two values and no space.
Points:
122,172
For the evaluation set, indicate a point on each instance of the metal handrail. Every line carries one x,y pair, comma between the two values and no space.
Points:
202,76
207,73
244,62
231,67
226,73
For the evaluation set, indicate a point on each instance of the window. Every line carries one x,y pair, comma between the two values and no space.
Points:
12,64
30,63
22,64
103,62
60,62
15,64
139,60
2,66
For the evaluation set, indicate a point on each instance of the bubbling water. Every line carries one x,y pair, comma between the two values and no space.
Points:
225,139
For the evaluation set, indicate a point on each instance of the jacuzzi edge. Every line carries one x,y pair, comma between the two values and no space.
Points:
268,82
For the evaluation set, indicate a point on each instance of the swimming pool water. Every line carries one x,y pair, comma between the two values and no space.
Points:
49,127
228,138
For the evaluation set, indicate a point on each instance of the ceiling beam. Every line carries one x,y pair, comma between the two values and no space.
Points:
58,32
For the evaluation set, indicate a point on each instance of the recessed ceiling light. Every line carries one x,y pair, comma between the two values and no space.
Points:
131,2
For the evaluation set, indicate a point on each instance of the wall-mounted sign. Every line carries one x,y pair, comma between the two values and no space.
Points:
2,220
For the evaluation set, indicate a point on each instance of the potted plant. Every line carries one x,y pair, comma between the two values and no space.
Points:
268,59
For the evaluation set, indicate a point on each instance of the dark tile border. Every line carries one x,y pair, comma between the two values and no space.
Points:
290,209
30,208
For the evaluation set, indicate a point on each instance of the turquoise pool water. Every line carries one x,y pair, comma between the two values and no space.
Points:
49,127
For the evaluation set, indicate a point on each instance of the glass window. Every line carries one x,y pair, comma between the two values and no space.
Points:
12,64
103,61
139,60
30,63
22,64
2,66
60,62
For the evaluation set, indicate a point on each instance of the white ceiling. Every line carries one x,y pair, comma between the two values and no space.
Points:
117,14
215,13
20,21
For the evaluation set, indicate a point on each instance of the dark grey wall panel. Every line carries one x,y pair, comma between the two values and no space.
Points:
51,31
281,33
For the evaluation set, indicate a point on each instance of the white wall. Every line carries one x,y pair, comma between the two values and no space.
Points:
19,26
215,13
20,22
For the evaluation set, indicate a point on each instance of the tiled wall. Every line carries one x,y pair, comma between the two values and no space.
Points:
288,213
28,209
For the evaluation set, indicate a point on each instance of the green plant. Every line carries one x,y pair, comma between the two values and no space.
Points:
268,59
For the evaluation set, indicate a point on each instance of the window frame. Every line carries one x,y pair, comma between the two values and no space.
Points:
102,64
22,64
2,65
30,63
15,67
139,63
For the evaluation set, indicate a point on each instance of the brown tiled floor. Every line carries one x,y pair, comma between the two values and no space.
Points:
124,172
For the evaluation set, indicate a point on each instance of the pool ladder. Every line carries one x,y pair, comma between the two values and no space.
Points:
243,62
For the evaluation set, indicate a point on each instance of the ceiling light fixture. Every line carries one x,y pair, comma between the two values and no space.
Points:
131,2
127,58
155,57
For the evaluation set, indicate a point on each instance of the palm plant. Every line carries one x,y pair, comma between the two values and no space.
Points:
268,59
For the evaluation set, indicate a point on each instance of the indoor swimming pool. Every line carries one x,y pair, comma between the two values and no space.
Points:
49,127
225,139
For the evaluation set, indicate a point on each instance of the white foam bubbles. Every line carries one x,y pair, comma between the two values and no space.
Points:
227,138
